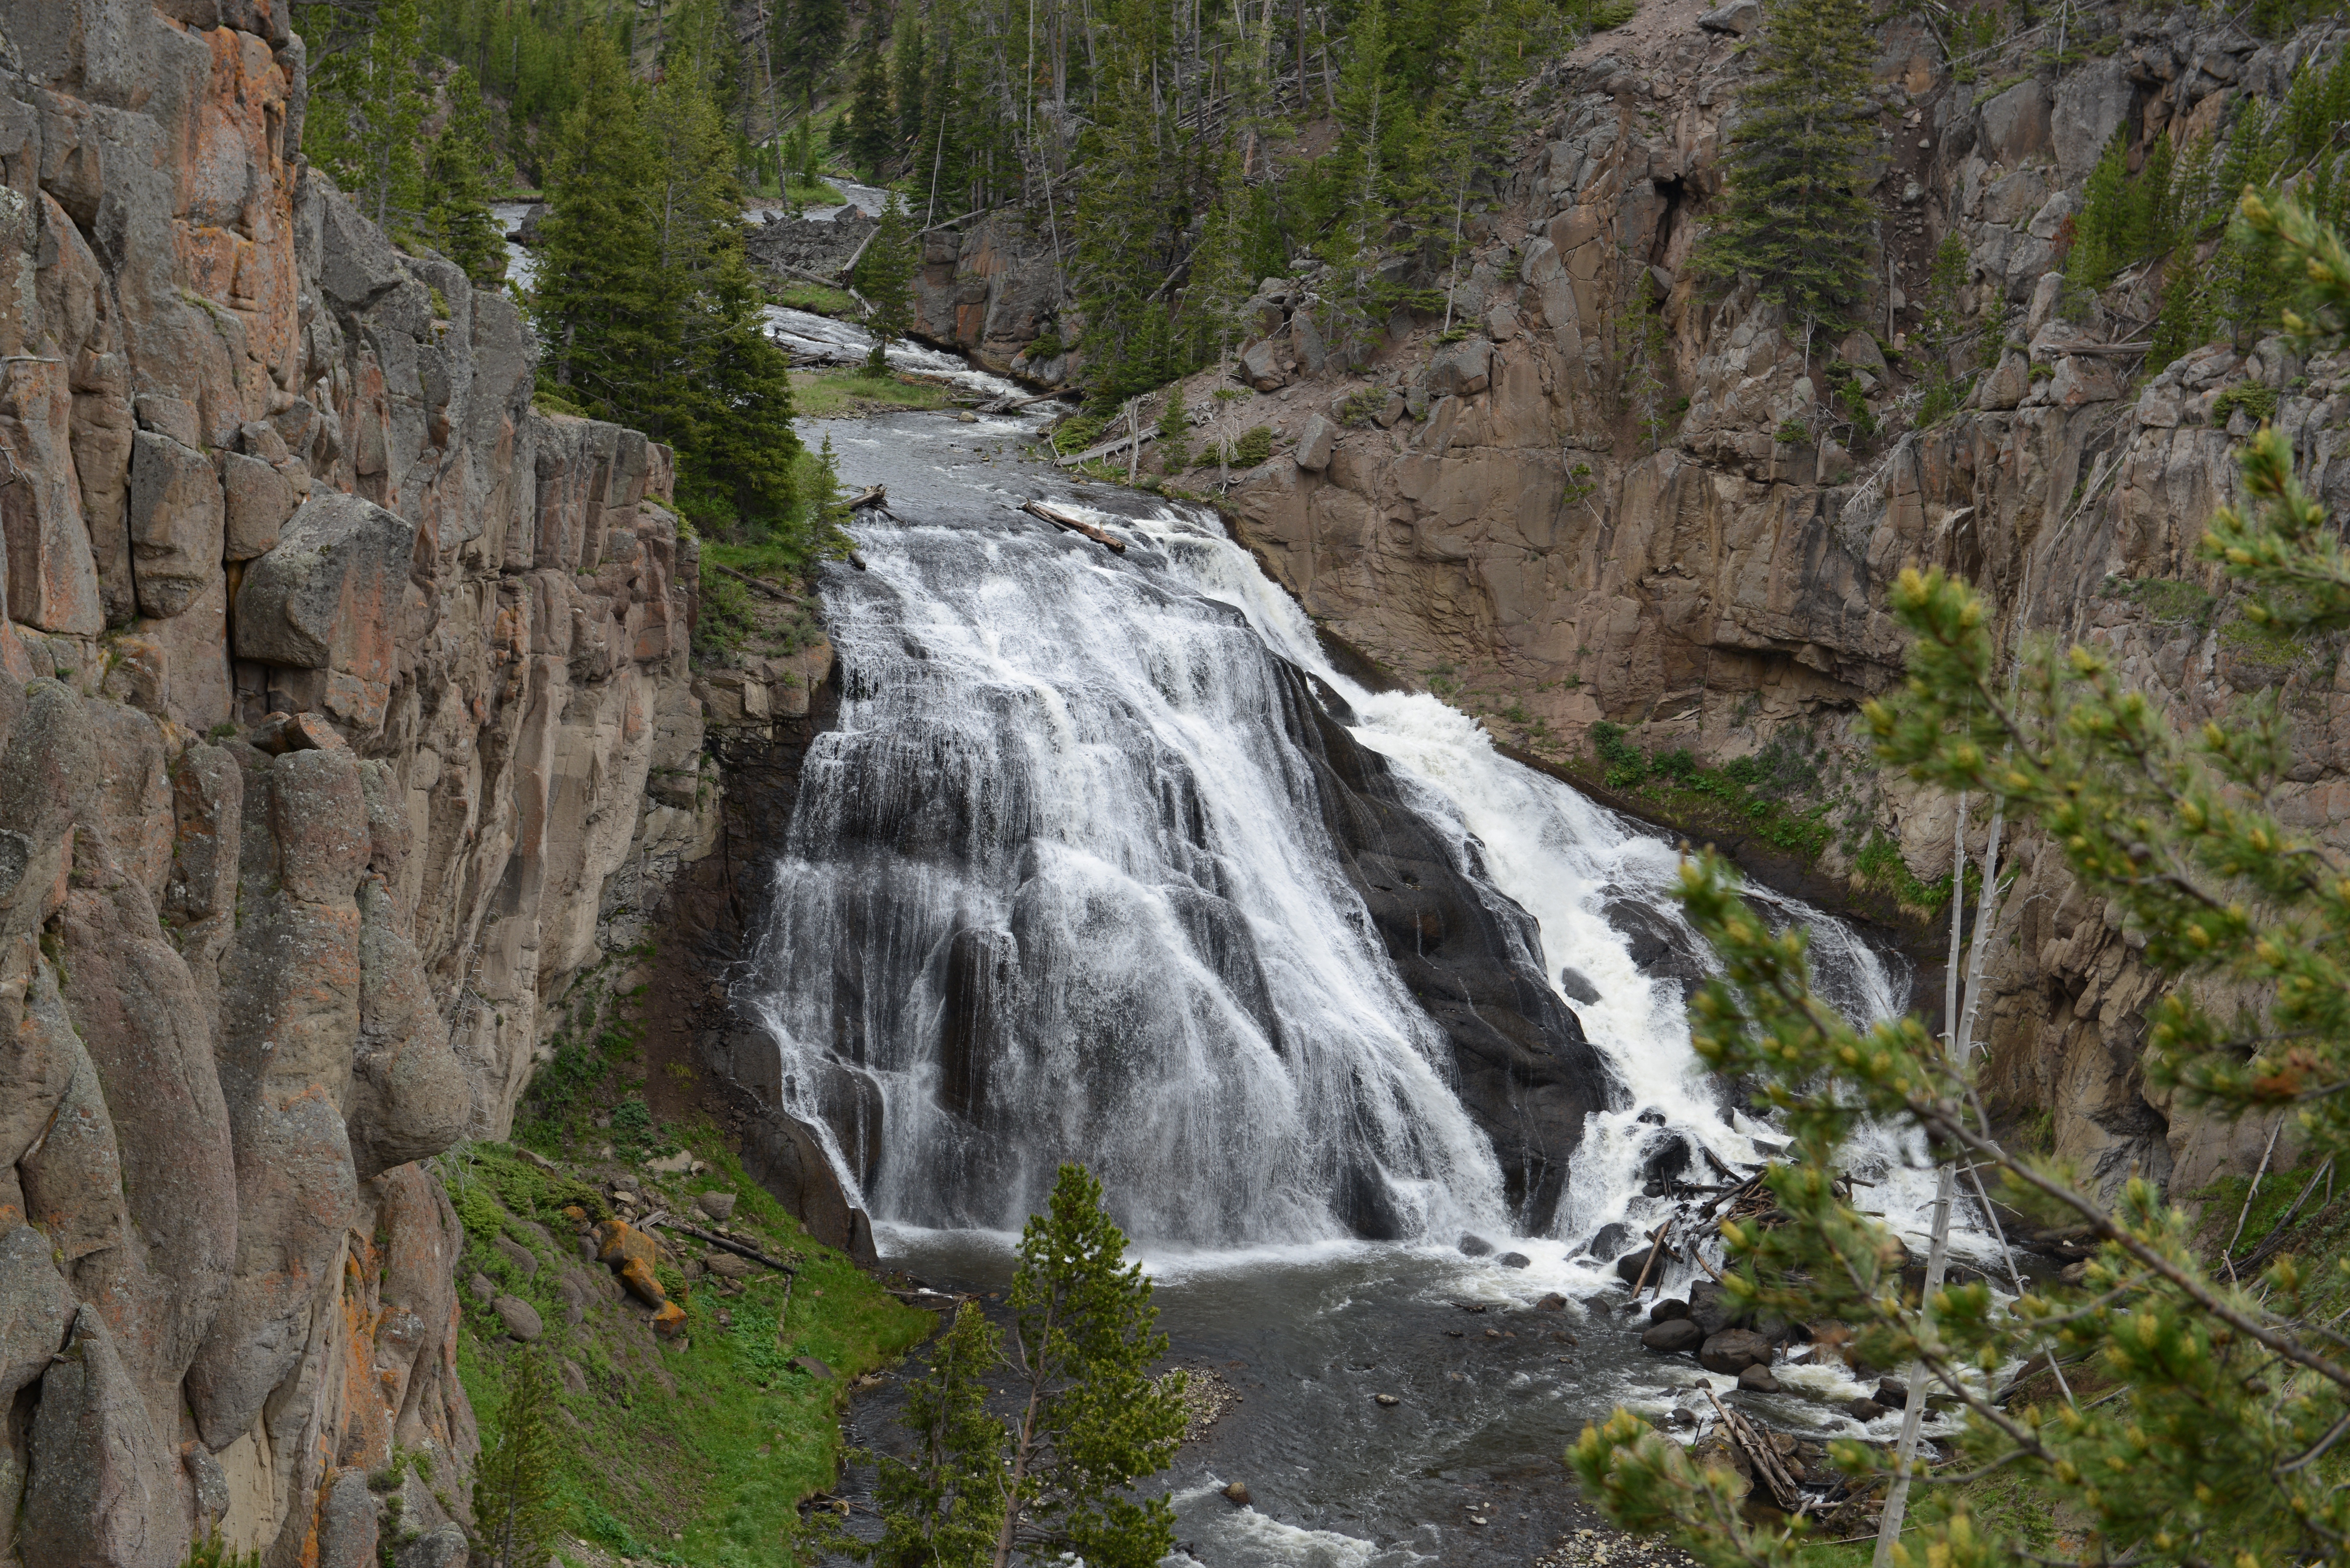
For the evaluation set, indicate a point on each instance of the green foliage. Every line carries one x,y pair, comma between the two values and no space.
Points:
632,1124
368,107
944,1506
884,273
872,122
514,1491
1792,433
2213,1437
213,1553
1799,214
2252,397
1094,1422
1254,446
458,222
2123,218
1174,432
1941,332
1879,864
643,296
1361,408
808,35
1750,794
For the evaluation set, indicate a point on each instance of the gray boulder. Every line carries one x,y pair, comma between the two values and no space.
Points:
2090,107
1674,1337
176,523
2015,124
521,1318
1461,369
1737,19
1260,368
444,1547
100,1492
1315,443
1733,1350
719,1205
1757,1379
36,1311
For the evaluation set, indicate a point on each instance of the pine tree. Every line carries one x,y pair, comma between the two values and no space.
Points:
809,38
514,1489
366,120
1799,216
1174,432
1094,1421
458,222
599,298
873,124
908,69
943,1507
739,466
885,275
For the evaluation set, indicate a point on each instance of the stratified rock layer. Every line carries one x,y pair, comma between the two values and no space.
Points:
330,682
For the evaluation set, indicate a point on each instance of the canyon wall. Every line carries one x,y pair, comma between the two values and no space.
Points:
331,680
1588,506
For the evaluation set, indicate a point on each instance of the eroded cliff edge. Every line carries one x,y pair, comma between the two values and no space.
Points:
344,727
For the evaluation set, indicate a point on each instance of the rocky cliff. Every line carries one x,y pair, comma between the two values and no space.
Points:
334,678
1588,504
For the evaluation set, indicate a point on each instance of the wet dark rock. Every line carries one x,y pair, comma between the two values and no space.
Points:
1237,1493
1673,1336
1577,986
1757,1379
1865,1409
1514,1261
1669,1308
1651,1117
1522,1067
1632,1264
1364,1204
1551,1303
1733,1351
1893,1395
1610,1241
1475,1246
1710,1305
1657,944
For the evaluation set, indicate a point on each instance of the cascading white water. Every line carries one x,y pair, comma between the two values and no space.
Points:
1056,889
1572,864
1059,887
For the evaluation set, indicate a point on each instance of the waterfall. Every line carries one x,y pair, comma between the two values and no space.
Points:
1104,861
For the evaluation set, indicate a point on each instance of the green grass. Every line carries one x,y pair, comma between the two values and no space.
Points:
816,297
725,1460
1880,865
833,394
819,194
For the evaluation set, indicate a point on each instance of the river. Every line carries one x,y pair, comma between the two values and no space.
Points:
1062,884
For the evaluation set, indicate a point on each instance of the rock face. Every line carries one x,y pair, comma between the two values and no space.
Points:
1719,590
331,679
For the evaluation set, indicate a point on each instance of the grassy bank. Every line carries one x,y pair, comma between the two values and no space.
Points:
833,394
817,298
690,1451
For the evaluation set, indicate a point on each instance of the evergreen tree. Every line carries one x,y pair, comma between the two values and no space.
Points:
885,275
872,123
368,108
943,1507
808,40
514,1491
1094,1422
1174,432
458,222
599,298
1799,216
738,466
908,70
2218,1401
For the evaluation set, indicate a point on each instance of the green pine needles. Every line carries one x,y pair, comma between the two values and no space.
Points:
884,273
515,1510
1800,219
1091,1420
2203,1419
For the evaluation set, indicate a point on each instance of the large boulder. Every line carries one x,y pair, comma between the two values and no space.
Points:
1315,443
35,1312
327,597
1261,366
100,1492
177,518
1674,1337
2093,103
2015,124
1733,1350
1461,369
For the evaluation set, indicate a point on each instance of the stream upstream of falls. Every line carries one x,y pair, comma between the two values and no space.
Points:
1106,860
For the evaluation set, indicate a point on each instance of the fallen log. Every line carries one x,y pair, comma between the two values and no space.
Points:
1093,452
1759,1452
871,495
1074,523
740,1249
